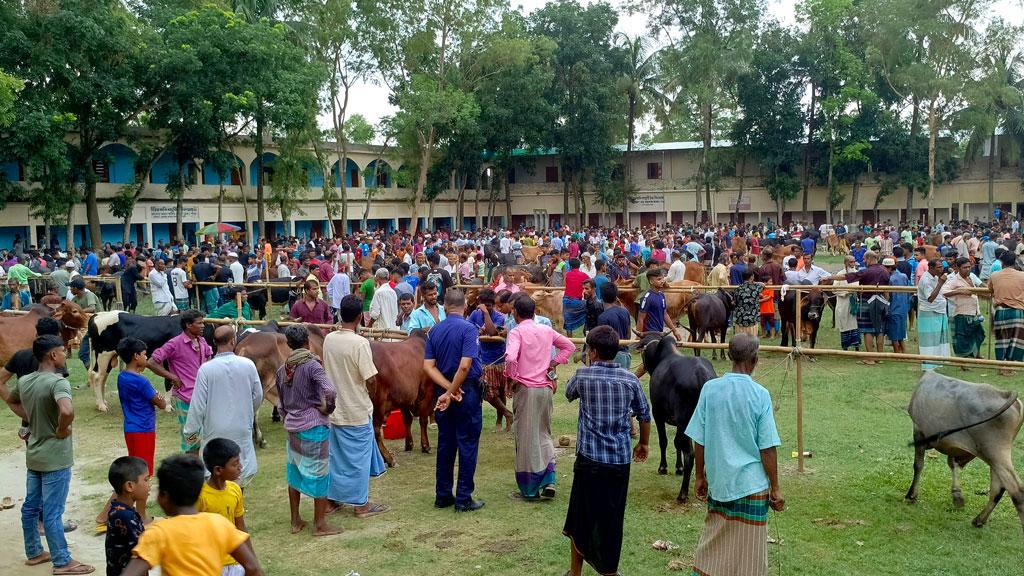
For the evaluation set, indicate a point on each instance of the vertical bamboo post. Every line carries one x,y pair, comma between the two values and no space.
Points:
799,387
238,305
991,327
120,297
199,299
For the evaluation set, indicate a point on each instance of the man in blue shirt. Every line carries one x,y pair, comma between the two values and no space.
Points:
91,265
618,319
451,360
735,440
808,245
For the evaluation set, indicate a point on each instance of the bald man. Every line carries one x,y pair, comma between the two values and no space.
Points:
228,391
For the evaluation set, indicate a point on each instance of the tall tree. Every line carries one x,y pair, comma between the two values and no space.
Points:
709,45
92,73
588,107
9,88
770,120
993,96
926,51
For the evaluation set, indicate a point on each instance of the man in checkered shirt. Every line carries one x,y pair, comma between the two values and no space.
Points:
608,394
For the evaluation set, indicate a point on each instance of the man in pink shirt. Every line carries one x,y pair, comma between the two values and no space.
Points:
528,363
184,354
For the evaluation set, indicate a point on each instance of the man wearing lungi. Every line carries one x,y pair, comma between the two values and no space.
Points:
874,306
735,440
932,319
1008,304
354,455
452,360
574,309
528,363
608,394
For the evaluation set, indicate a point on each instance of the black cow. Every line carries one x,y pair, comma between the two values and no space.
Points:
676,381
283,295
106,329
709,314
812,304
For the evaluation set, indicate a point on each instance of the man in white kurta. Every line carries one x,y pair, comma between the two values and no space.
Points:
228,391
384,305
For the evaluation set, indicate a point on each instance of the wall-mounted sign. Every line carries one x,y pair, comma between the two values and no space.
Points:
744,204
166,213
648,202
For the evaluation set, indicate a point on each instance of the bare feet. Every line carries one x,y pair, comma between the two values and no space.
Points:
326,529
298,526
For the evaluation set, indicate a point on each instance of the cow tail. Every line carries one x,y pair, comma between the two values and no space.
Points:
936,437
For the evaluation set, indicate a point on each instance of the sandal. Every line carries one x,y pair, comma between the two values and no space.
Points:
74,567
517,495
7,503
373,510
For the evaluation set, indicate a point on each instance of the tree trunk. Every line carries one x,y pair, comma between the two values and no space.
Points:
807,150
831,166
460,208
706,160
991,172
705,123
508,202
69,231
854,197
260,208
179,203
491,196
426,151
479,219
915,128
577,211
430,213
366,209
220,202
126,231
739,196
245,205
933,134
565,197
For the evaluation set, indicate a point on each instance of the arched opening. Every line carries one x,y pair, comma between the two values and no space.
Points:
115,164
378,174
269,158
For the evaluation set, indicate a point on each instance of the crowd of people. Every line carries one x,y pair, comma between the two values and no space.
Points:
397,282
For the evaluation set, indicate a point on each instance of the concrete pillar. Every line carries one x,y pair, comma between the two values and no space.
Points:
149,233
33,239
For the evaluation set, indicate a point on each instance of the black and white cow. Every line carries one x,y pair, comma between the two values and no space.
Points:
106,329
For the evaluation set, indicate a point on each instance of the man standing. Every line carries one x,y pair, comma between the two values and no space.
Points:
429,313
89,303
968,323
529,364
231,381
339,287
163,300
616,316
180,284
236,268
677,271
44,399
384,305
574,309
205,271
452,360
735,440
184,354
899,307
932,321
354,454
61,277
873,306
1008,302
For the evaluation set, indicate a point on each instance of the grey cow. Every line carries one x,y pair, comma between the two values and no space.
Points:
965,421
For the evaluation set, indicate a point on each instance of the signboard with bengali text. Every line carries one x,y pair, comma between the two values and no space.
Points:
170,214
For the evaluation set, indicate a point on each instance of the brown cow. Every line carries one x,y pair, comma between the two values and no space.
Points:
268,351
72,321
782,252
403,384
695,272
739,245
18,332
532,253
676,301
549,303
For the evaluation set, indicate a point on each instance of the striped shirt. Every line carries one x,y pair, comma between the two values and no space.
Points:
607,393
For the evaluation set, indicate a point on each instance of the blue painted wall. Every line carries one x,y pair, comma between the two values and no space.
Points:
445,222
7,234
9,171
211,178
120,163
268,161
352,168
164,169
316,176
370,174
469,223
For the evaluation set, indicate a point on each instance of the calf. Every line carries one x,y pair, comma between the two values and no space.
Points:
812,305
401,383
278,295
676,381
965,421
19,331
708,314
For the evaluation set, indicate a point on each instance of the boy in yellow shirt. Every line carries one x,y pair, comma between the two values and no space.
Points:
220,494
188,542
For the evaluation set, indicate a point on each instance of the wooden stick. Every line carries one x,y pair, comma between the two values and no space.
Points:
704,287
798,337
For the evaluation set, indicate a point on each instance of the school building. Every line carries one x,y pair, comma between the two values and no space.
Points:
662,174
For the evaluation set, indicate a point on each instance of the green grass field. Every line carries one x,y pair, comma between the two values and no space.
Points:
845,514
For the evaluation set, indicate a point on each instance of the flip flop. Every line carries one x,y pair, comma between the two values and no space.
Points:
374,510
74,567
101,528
7,503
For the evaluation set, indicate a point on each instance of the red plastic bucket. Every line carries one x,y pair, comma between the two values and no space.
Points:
394,426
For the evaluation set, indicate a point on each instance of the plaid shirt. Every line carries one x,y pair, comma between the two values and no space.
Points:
607,395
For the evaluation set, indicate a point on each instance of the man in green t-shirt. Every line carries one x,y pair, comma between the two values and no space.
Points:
44,399
90,304
366,288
